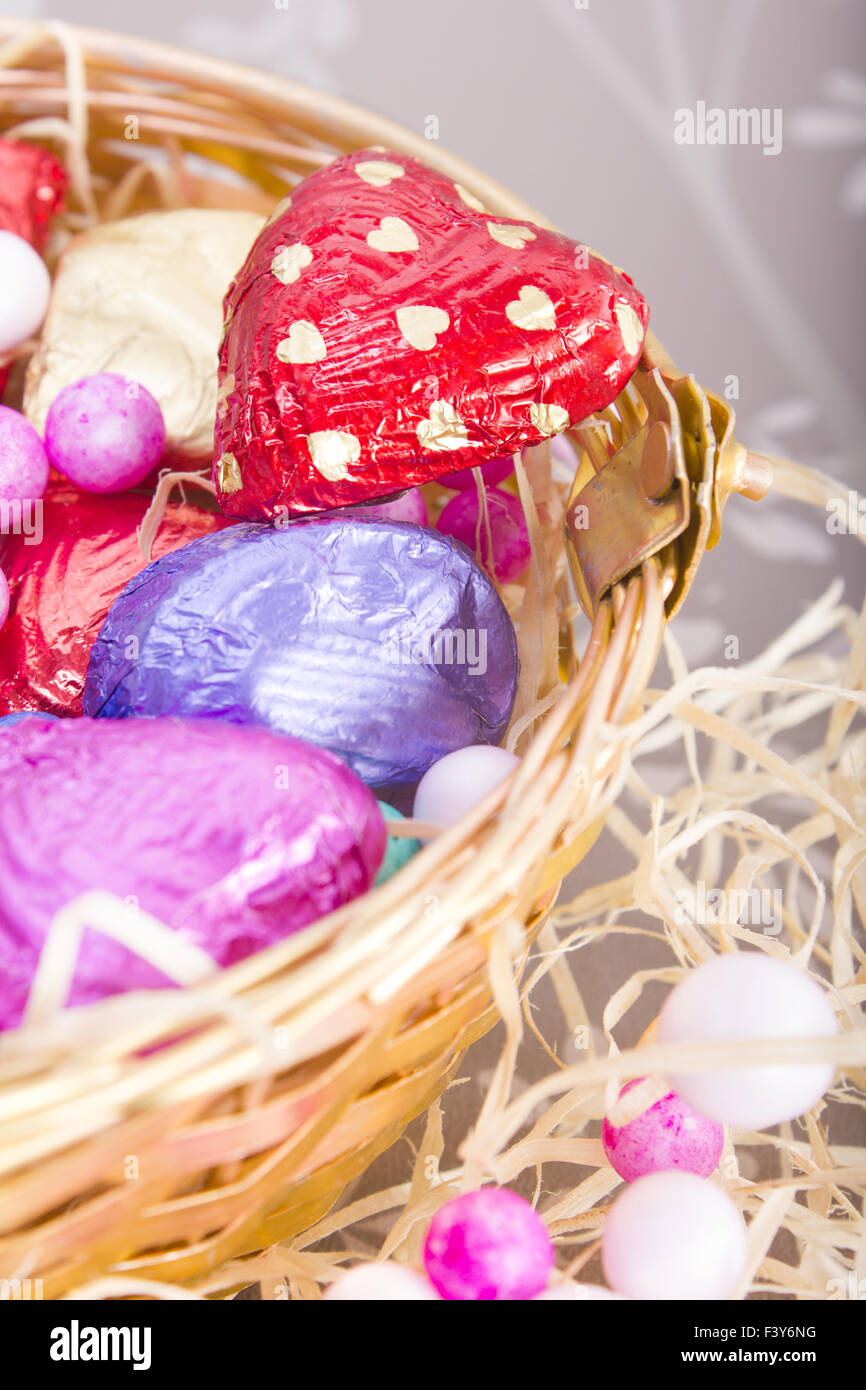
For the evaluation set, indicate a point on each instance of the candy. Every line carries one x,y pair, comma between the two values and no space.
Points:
382,333
673,1236
399,850
4,598
668,1134
380,641
488,1245
747,995
24,470
567,1291
143,297
496,471
380,1282
66,564
25,290
105,433
234,837
410,506
502,540
459,781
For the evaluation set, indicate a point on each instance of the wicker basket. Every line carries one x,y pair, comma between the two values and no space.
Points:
164,1135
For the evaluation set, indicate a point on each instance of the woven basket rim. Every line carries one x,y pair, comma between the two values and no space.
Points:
340,114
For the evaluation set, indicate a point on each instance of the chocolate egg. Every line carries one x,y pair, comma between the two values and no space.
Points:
234,837
385,331
66,562
381,641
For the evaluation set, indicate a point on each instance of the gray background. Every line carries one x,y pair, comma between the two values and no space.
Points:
752,264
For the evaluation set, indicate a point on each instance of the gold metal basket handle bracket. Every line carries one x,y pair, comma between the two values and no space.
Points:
663,489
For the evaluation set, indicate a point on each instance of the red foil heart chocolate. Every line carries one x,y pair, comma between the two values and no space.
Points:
66,564
385,330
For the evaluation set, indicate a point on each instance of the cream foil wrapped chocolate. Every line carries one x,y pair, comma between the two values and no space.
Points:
143,297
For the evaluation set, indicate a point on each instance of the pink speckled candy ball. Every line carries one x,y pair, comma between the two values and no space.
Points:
673,1236
381,1282
488,1245
4,598
669,1134
105,433
410,506
461,518
496,471
24,467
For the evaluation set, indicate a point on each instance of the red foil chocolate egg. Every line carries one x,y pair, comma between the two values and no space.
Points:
385,330
66,564
32,185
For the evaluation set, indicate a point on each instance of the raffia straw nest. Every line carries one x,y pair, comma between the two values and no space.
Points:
189,1143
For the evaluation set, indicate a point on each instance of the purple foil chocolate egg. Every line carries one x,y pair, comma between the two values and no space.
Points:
378,640
234,837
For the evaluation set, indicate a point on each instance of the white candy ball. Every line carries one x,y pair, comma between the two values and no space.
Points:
379,1282
749,995
568,1291
457,782
673,1235
25,289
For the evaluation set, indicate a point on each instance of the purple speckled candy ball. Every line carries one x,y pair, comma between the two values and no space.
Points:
496,471
105,433
488,1245
24,467
668,1134
509,538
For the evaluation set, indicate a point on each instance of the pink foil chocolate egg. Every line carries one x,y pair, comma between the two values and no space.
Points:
409,506
233,837
24,467
380,1282
742,996
488,1245
506,551
106,433
496,471
673,1236
668,1134
563,454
